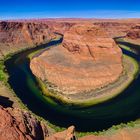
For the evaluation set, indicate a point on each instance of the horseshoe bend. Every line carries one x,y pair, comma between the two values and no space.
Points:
70,79
84,67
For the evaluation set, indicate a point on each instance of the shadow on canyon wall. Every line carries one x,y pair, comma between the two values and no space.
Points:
5,101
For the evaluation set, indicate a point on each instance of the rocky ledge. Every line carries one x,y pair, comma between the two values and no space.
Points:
16,35
86,60
122,134
134,33
16,124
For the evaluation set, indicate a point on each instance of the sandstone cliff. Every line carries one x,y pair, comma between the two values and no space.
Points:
16,124
68,134
19,35
134,33
87,54
116,28
18,32
87,59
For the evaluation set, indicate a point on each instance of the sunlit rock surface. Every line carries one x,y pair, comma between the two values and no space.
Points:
16,124
86,60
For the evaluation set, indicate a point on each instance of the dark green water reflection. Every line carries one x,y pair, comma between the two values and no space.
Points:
123,108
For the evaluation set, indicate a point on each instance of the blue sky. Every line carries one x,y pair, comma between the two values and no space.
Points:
13,9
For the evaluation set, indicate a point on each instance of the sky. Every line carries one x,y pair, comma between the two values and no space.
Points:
24,9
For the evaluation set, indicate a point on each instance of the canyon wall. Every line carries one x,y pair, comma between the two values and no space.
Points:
116,29
19,35
16,124
134,33
88,58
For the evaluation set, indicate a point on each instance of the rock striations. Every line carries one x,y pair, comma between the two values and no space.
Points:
86,60
16,124
134,33
19,35
115,29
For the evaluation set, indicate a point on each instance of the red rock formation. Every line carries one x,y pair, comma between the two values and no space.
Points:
59,27
123,134
18,33
116,28
16,124
20,125
68,134
87,59
134,33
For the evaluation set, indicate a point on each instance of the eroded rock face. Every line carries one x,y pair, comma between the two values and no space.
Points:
20,125
122,134
16,35
68,134
18,32
134,33
116,28
87,59
59,27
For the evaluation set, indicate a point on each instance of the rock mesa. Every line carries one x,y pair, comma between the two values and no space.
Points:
86,60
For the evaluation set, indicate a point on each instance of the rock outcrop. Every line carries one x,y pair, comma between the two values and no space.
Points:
16,124
134,33
122,134
27,33
87,59
59,27
116,28
68,134
16,35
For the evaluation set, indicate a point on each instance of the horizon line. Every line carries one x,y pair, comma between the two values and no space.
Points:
68,18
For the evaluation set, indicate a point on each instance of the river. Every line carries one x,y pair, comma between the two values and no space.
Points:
123,108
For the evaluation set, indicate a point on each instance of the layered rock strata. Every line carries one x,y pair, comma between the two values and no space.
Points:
134,33
16,124
116,28
15,36
86,60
